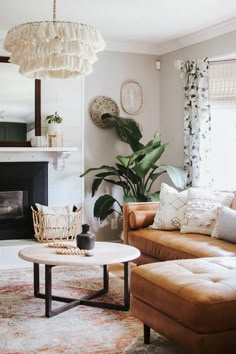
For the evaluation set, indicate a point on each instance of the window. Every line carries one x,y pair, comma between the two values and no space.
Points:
222,90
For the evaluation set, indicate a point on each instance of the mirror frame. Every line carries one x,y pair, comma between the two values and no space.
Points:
37,109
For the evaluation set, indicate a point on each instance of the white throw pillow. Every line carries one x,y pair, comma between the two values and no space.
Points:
54,210
170,214
225,227
202,208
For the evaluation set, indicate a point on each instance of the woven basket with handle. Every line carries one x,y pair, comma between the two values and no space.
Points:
56,227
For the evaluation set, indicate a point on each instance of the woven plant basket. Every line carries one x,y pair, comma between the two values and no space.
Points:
56,227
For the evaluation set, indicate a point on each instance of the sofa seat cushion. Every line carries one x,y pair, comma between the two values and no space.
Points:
198,293
169,245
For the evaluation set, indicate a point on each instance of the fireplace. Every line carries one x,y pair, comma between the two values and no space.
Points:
21,185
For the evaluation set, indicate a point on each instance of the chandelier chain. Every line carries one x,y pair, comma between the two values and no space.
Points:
54,10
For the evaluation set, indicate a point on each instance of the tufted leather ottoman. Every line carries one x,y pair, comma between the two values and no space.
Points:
190,301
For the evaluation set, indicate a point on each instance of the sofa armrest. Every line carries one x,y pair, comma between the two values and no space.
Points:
131,212
141,218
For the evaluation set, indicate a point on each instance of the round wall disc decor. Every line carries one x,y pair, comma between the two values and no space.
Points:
101,107
131,97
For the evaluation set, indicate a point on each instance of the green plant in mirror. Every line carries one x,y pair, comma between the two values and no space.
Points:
134,173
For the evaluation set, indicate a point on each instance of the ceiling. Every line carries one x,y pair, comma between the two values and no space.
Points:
145,26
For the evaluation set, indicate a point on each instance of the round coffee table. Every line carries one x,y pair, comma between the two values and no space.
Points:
104,253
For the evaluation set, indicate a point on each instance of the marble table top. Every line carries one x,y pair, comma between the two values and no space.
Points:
103,253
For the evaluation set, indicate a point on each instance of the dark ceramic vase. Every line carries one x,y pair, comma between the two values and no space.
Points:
85,240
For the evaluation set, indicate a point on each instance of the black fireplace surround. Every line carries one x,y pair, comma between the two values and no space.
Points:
29,181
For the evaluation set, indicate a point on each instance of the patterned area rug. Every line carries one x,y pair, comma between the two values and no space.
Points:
24,329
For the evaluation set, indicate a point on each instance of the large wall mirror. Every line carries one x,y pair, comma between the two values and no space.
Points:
20,106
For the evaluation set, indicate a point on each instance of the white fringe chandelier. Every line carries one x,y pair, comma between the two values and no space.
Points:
54,49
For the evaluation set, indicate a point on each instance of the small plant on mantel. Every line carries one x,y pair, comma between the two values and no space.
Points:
134,173
55,137
54,118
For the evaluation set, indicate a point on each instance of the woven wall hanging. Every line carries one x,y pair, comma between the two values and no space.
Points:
103,106
131,97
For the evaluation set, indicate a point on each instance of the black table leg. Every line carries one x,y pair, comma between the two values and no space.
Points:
36,279
121,307
48,290
126,286
86,300
105,278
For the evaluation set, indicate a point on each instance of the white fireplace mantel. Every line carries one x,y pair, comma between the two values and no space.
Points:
61,153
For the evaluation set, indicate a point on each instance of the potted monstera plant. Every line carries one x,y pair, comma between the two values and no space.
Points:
134,173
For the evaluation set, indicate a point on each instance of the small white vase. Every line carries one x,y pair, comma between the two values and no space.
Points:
54,129
54,136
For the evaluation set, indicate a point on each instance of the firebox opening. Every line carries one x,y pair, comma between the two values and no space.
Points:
22,184
11,205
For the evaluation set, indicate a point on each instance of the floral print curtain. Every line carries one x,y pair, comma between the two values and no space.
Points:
197,121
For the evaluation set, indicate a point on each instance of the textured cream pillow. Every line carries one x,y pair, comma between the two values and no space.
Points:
225,227
171,211
201,210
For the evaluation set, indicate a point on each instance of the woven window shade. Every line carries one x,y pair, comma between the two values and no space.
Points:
222,81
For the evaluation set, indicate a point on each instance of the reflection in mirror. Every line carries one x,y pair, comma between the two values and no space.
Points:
20,106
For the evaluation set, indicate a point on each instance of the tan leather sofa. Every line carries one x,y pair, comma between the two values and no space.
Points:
190,298
189,301
162,245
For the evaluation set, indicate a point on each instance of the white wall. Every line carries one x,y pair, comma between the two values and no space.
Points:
66,97
171,91
102,145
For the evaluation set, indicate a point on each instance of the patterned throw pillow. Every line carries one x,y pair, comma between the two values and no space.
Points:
225,225
202,208
170,214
